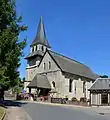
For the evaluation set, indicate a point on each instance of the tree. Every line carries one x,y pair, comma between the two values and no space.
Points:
24,79
19,87
104,76
11,48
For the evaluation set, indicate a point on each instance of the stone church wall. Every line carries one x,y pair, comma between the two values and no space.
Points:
77,88
61,82
30,73
46,61
25,86
88,85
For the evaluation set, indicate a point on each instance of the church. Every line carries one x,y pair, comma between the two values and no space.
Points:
52,73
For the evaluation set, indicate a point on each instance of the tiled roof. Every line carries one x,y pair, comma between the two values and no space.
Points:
34,54
101,84
72,66
39,81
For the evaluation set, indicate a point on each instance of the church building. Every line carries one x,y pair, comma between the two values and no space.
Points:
51,72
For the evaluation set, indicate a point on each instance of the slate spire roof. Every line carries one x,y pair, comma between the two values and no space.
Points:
41,35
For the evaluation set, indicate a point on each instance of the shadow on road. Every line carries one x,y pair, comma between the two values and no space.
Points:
12,103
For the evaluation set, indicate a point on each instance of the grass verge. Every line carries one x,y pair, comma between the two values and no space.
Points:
2,110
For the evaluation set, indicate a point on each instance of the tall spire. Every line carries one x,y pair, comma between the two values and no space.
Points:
41,35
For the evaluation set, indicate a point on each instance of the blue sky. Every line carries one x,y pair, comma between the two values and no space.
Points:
79,29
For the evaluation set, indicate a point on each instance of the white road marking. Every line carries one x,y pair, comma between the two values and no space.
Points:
17,118
27,116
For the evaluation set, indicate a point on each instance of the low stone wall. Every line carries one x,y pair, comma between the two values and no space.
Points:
78,103
59,100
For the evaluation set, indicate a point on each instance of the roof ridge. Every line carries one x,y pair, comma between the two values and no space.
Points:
72,66
103,78
68,58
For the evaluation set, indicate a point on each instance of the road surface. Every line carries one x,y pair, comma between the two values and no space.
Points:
47,112
37,111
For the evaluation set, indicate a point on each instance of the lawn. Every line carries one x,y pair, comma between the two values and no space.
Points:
1,111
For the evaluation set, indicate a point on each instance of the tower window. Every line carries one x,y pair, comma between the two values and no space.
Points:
32,49
53,83
70,85
44,66
42,47
49,65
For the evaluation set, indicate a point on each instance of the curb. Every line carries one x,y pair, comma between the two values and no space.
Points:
3,115
62,105
57,104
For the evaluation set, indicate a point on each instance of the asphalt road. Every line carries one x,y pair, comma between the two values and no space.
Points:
47,112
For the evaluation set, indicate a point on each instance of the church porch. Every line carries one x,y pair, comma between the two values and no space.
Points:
41,85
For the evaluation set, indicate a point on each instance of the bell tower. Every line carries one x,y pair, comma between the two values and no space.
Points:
37,50
38,46
40,43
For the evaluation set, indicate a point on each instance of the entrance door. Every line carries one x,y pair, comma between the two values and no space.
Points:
104,98
43,92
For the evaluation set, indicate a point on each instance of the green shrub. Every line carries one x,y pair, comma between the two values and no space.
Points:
83,99
74,99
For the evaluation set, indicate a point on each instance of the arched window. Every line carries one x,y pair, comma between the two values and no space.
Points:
44,66
75,88
53,83
36,47
84,86
42,47
49,65
70,85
